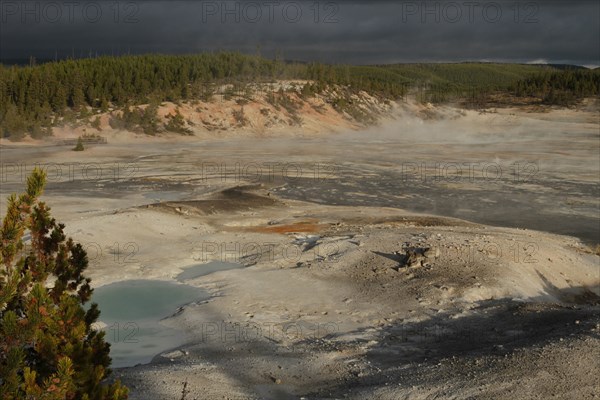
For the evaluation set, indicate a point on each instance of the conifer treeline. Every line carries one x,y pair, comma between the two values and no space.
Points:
32,97
560,87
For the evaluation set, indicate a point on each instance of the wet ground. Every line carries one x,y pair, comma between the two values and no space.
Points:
524,180
552,205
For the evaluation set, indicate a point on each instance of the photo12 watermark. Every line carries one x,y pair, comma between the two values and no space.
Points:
470,12
483,251
271,12
18,172
440,171
114,252
244,171
307,249
69,12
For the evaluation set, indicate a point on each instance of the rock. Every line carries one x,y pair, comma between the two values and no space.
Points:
98,326
432,253
172,355
414,257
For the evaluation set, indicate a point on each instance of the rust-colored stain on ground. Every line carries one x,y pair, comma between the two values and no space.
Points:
299,227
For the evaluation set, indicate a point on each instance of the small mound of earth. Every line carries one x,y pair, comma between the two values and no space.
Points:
241,198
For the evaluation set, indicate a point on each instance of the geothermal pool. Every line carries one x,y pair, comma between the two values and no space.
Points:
132,311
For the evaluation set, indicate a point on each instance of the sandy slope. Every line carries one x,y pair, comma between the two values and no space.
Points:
263,112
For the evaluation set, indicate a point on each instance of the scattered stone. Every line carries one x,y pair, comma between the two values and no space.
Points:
415,257
173,355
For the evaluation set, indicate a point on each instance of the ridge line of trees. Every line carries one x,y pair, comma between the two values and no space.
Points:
35,98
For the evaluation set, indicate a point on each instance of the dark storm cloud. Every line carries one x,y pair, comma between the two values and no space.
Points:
343,31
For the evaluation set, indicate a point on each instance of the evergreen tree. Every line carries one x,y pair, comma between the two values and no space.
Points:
79,145
48,349
176,123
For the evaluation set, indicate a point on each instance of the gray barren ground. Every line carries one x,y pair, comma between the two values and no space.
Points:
368,271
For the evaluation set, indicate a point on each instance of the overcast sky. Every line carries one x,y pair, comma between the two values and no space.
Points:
359,32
